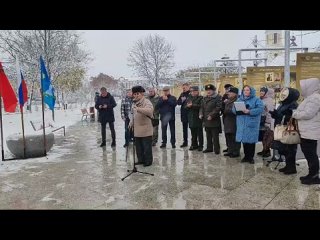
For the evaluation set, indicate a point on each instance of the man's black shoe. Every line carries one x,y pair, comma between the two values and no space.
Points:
173,146
113,144
102,144
163,145
126,145
200,149
207,150
226,150
184,145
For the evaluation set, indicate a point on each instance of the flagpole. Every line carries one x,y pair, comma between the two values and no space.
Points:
2,148
23,137
44,130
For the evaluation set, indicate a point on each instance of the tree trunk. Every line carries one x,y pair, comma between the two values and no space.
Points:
31,97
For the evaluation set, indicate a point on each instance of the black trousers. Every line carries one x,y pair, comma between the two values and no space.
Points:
103,131
144,149
172,132
185,132
233,146
213,138
128,133
196,137
309,149
249,150
290,155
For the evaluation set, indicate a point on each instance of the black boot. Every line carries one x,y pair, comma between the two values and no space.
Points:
311,180
260,153
113,144
266,153
283,169
226,150
305,177
289,171
200,149
184,145
193,148
207,150
163,145
103,144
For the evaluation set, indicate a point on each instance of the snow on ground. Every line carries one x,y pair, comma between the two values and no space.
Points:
12,125
12,121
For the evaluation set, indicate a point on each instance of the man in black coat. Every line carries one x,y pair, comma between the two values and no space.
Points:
105,104
224,100
182,101
166,105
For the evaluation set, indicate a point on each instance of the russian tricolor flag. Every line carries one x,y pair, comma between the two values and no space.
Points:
22,86
23,91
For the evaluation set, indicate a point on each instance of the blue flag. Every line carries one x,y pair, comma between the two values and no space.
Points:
48,90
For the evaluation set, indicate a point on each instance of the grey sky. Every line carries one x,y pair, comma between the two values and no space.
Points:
193,47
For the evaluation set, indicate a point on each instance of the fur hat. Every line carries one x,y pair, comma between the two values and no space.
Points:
234,90
137,89
194,88
227,85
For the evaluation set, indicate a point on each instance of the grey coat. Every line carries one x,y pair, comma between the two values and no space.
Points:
230,118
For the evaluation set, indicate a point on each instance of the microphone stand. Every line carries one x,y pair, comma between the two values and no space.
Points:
134,170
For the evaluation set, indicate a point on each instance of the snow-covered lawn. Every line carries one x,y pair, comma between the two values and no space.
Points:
12,121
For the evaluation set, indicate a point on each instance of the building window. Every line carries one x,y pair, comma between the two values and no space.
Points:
275,38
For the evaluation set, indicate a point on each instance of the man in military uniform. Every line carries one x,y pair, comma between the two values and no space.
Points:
210,114
154,98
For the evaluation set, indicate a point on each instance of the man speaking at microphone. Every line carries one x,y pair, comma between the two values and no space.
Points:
141,122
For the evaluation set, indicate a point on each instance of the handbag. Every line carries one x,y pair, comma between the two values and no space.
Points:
291,134
278,130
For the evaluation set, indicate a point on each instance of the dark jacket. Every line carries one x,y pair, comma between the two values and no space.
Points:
285,108
106,114
224,97
167,107
154,100
211,106
184,110
193,112
126,105
229,117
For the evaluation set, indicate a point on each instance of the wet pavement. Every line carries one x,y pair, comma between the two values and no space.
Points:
78,174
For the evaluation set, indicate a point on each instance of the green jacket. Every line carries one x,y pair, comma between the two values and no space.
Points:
154,100
211,106
193,113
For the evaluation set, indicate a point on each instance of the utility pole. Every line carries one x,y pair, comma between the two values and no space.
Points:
255,44
287,59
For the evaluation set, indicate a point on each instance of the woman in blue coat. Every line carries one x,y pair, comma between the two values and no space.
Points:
248,122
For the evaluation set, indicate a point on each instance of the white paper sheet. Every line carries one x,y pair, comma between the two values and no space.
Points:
240,106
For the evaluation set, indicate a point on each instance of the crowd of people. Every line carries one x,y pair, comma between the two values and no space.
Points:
252,123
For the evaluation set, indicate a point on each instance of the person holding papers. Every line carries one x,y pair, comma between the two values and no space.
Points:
248,109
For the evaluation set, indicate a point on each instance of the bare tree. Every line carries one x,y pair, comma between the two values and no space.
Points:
152,58
61,50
